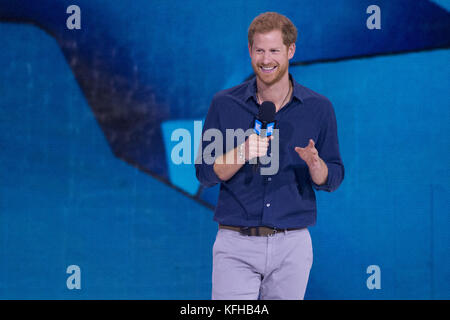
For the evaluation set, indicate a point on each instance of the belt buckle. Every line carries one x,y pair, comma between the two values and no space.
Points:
274,231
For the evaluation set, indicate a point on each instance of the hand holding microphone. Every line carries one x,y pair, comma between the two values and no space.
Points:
258,142
256,146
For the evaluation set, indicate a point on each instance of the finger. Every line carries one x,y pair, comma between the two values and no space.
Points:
262,146
311,143
262,154
300,150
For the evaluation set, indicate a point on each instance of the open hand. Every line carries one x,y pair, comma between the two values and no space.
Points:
317,167
310,155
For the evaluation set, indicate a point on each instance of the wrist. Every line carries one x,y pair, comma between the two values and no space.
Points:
319,174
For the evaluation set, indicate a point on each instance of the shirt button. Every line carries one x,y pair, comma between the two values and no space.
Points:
269,179
268,205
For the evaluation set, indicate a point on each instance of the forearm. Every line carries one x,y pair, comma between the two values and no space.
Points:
319,174
228,164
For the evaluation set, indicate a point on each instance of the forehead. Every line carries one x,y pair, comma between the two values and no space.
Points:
271,39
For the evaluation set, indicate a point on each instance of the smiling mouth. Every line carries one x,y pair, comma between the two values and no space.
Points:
268,70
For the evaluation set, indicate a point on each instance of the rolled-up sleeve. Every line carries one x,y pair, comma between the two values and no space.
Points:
205,172
328,147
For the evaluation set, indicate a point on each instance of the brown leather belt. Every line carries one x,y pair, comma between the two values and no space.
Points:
256,231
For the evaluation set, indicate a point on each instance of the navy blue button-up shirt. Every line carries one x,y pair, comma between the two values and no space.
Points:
285,199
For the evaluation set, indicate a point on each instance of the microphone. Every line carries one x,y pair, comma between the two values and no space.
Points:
265,120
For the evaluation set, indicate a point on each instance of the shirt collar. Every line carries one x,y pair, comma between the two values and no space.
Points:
251,89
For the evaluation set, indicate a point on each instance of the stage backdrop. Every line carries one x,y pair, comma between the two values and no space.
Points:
92,205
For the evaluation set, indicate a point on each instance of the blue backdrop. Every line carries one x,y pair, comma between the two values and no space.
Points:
86,118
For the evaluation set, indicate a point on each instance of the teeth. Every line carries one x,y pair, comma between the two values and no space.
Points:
268,68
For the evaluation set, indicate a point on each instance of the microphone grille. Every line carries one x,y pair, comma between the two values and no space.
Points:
267,111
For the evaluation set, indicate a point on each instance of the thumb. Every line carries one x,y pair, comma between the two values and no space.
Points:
311,143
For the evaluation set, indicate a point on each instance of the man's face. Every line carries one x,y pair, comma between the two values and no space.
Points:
270,57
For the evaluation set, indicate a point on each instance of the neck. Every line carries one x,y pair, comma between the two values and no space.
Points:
279,92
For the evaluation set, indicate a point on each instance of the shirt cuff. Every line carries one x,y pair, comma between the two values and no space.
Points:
328,185
334,179
325,186
207,176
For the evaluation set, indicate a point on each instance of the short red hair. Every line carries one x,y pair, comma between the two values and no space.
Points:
269,21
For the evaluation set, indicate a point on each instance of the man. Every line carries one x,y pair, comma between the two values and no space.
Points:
263,248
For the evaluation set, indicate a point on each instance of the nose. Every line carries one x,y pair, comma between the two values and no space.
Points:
266,58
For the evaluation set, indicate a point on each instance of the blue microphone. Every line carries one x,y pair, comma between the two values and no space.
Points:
265,120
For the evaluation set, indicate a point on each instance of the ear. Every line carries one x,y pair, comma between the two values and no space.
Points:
250,50
291,51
